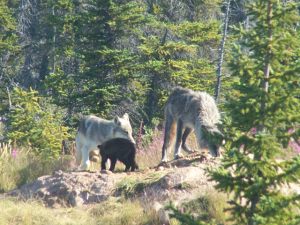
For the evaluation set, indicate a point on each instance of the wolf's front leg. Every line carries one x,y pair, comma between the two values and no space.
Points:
177,152
85,158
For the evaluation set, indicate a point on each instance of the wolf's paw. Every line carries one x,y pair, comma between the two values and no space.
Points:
179,156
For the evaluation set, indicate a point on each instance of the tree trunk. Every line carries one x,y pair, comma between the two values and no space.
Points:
267,66
221,52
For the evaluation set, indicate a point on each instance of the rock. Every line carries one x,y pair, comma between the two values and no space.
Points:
170,183
106,172
160,168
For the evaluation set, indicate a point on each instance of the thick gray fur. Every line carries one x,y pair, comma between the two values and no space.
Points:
94,131
190,110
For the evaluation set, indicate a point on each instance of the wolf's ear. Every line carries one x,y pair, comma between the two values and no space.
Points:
126,116
117,121
99,146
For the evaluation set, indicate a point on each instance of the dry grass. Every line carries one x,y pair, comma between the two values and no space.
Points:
18,166
112,212
149,155
131,186
208,208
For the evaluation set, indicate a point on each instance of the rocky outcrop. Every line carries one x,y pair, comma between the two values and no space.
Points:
176,180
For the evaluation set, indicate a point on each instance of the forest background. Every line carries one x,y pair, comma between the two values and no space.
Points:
64,59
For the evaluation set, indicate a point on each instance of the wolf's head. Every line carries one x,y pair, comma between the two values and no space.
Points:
212,139
123,128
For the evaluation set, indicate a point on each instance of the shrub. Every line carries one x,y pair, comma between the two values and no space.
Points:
34,123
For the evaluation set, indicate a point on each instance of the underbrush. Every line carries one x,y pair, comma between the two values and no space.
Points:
19,166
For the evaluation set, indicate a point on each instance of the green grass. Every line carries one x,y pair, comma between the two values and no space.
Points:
130,186
111,212
207,208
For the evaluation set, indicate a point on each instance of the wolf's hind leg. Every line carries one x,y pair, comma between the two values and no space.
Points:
169,133
186,133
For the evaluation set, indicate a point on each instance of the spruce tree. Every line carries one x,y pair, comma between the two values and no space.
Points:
34,123
8,49
263,110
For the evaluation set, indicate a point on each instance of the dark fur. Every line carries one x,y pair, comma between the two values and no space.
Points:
118,149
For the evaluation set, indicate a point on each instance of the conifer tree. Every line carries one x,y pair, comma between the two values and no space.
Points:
263,111
8,47
34,123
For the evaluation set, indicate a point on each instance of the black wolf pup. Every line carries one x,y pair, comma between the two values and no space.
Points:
118,149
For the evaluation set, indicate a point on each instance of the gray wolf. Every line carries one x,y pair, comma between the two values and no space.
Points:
94,131
187,110
118,149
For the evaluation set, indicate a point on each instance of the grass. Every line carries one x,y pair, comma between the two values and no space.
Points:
149,155
131,186
111,212
207,208
18,166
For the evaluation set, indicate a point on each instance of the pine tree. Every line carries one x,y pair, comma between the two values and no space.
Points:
179,49
8,48
264,115
34,123
97,31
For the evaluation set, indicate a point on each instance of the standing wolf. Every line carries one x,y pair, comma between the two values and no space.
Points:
94,131
190,110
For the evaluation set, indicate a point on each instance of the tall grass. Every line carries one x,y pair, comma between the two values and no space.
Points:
149,152
19,166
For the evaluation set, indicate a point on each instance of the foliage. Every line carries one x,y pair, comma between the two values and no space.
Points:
33,123
125,56
8,47
19,166
263,111
7,28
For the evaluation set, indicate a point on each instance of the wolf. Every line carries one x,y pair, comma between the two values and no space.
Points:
118,149
94,131
187,110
